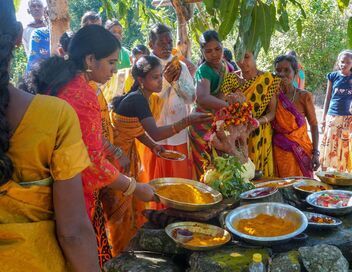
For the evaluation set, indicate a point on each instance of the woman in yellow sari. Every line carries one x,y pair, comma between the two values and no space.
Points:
43,221
260,89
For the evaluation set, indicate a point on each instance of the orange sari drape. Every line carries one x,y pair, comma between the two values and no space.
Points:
127,216
285,161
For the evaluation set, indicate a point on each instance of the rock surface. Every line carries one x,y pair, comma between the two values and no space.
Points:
323,258
225,260
286,262
140,263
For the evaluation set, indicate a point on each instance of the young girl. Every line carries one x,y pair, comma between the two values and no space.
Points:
132,118
336,146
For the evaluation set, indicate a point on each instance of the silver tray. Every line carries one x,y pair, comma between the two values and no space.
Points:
337,222
217,197
181,158
343,179
198,228
277,209
311,200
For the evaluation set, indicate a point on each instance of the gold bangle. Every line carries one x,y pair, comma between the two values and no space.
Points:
131,187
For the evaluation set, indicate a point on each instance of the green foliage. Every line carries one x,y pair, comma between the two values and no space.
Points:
321,36
78,8
349,32
18,65
224,175
253,22
136,16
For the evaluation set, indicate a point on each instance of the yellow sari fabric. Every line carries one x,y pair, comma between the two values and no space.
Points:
47,143
259,92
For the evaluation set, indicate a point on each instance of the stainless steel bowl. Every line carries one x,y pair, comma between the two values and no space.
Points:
278,209
336,222
196,227
312,200
217,197
340,179
308,182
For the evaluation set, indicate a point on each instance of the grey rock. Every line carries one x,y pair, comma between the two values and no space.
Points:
127,262
227,259
286,262
323,258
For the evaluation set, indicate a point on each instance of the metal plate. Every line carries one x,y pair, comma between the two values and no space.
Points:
289,182
196,227
277,209
337,222
342,179
163,155
309,182
312,199
247,195
217,197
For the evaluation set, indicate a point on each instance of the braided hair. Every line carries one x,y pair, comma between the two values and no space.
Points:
9,31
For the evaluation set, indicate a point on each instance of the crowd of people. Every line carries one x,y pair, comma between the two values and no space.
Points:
77,154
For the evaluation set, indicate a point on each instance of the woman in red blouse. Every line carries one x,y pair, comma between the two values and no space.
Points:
89,60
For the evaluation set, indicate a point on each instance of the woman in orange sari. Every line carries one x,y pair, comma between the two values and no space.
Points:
294,154
69,79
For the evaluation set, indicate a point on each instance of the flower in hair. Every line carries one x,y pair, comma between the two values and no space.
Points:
144,65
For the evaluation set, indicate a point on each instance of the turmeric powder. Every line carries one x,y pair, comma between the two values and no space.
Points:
264,225
200,239
185,193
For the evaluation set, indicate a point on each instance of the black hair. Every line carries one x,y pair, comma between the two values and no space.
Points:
140,49
56,72
65,40
292,53
8,35
89,16
156,30
111,23
142,67
291,59
228,54
207,36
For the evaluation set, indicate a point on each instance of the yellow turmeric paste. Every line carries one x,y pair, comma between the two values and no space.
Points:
264,225
185,193
199,239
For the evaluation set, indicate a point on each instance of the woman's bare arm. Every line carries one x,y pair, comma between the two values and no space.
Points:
205,99
73,227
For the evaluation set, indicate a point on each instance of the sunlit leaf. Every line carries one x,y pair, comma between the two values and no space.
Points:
17,4
299,27
349,32
343,4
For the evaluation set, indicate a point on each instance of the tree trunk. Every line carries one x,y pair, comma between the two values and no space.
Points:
184,13
59,21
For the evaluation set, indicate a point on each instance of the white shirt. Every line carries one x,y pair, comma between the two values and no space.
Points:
177,98
26,38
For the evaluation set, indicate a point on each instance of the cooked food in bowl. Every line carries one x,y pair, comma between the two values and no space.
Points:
264,225
321,220
185,193
311,188
334,200
171,155
198,239
258,193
